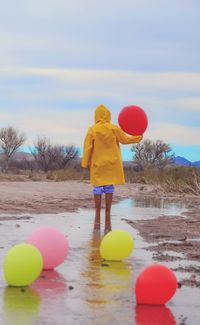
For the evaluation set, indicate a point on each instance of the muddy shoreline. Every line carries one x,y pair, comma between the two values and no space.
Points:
53,197
179,235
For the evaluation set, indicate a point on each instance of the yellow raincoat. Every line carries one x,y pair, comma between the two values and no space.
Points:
101,150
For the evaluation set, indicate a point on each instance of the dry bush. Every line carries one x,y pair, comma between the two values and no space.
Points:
68,174
174,179
36,176
182,180
13,177
149,154
22,176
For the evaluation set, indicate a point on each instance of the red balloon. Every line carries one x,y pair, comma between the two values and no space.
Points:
133,120
155,285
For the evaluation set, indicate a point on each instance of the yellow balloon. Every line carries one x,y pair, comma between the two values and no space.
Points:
22,265
116,245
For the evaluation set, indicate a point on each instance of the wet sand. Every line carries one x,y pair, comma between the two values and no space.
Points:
180,234
85,289
52,197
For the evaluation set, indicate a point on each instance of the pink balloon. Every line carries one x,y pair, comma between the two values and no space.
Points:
52,244
155,285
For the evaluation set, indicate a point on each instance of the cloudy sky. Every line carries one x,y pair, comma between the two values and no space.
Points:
59,59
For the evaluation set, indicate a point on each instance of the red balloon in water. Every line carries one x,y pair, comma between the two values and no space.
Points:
133,120
155,285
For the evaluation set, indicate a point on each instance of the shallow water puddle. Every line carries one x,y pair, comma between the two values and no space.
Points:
86,289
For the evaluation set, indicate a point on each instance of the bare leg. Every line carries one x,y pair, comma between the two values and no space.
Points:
97,221
108,197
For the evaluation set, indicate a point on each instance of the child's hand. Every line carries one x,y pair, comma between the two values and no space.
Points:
138,138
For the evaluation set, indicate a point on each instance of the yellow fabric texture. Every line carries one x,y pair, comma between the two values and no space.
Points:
101,150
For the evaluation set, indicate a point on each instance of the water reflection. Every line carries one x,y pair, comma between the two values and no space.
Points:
53,290
20,306
92,271
151,202
158,203
153,315
147,208
116,275
50,283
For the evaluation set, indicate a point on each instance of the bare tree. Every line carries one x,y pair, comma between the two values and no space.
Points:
69,153
10,142
149,154
40,152
50,157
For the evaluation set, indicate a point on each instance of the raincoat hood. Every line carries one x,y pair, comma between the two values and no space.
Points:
102,114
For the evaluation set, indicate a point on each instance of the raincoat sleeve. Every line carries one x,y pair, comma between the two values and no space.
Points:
87,149
123,138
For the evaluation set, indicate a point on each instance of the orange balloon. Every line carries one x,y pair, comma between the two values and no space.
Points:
155,285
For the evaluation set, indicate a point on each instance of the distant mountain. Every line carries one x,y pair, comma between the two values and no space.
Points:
196,163
181,161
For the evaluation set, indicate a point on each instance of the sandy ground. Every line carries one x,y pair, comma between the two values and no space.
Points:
49,196
176,235
180,234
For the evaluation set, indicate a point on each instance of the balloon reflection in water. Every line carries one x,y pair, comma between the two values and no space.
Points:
91,273
20,306
153,315
50,282
116,275
53,290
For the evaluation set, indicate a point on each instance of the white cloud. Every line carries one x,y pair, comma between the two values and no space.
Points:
85,86
160,80
175,134
113,84
113,34
70,126
192,103
61,127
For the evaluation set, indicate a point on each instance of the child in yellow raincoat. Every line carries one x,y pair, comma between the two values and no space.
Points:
101,153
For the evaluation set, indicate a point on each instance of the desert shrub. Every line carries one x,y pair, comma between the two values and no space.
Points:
174,179
68,174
